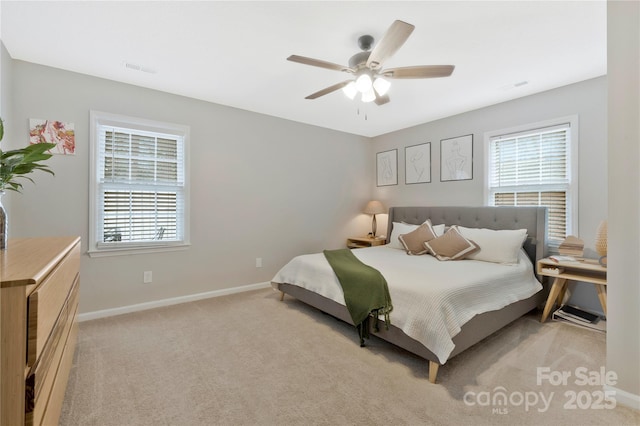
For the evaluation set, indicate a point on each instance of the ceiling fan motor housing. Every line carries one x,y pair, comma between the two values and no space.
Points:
365,42
359,60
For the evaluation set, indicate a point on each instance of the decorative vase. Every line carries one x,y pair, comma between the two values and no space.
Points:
3,224
601,242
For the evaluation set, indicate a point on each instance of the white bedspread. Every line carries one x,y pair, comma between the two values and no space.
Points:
431,299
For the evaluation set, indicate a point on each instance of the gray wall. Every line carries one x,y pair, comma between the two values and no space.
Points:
623,61
587,99
6,96
260,187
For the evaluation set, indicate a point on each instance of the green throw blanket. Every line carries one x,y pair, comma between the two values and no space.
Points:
365,289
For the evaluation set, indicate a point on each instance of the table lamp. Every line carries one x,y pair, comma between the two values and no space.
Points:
374,208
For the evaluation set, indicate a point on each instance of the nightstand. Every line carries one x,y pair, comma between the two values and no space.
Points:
562,272
360,242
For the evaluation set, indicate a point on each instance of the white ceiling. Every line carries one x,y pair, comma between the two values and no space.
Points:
234,52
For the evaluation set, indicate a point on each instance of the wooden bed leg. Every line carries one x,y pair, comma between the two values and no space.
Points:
433,371
281,296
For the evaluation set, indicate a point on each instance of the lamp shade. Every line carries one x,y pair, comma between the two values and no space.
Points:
364,83
369,96
374,207
381,85
350,90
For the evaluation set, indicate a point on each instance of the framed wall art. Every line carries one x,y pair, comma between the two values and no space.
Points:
387,168
456,158
417,163
51,131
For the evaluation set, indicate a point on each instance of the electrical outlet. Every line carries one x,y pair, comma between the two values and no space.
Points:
148,277
258,262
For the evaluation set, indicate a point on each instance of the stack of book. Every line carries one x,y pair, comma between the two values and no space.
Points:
572,246
580,317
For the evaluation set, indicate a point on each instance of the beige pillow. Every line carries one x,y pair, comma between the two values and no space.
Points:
413,242
451,246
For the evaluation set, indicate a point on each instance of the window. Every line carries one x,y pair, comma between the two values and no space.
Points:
536,165
139,191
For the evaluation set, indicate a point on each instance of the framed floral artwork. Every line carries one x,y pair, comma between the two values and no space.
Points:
52,131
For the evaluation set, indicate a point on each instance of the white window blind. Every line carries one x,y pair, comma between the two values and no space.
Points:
533,168
140,186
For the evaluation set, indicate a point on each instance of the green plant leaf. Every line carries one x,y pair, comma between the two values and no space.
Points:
18,163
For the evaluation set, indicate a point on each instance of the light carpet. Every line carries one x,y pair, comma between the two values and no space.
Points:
249,359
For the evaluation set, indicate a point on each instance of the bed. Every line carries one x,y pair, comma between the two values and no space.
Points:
484,309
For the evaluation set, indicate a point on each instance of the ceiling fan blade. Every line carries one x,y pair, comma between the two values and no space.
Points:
318,63
393,39
381,100
328,90
420,71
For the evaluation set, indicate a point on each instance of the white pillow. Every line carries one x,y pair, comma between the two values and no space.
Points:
439,229
399,229
497,246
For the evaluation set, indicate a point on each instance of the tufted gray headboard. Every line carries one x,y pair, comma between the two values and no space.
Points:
534,219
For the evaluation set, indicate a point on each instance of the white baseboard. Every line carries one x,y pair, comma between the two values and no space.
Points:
625,398
167,302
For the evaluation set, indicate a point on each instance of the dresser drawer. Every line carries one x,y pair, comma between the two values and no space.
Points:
46,303
53,409
41,384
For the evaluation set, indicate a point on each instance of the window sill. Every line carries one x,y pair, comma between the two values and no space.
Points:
127,251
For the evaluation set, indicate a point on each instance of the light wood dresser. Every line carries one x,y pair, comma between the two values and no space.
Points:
39,329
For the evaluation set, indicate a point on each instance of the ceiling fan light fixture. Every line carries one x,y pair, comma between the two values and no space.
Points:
381,85
364,83
367,70
350,90
369,96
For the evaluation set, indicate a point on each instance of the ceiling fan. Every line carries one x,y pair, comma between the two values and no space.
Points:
369,78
